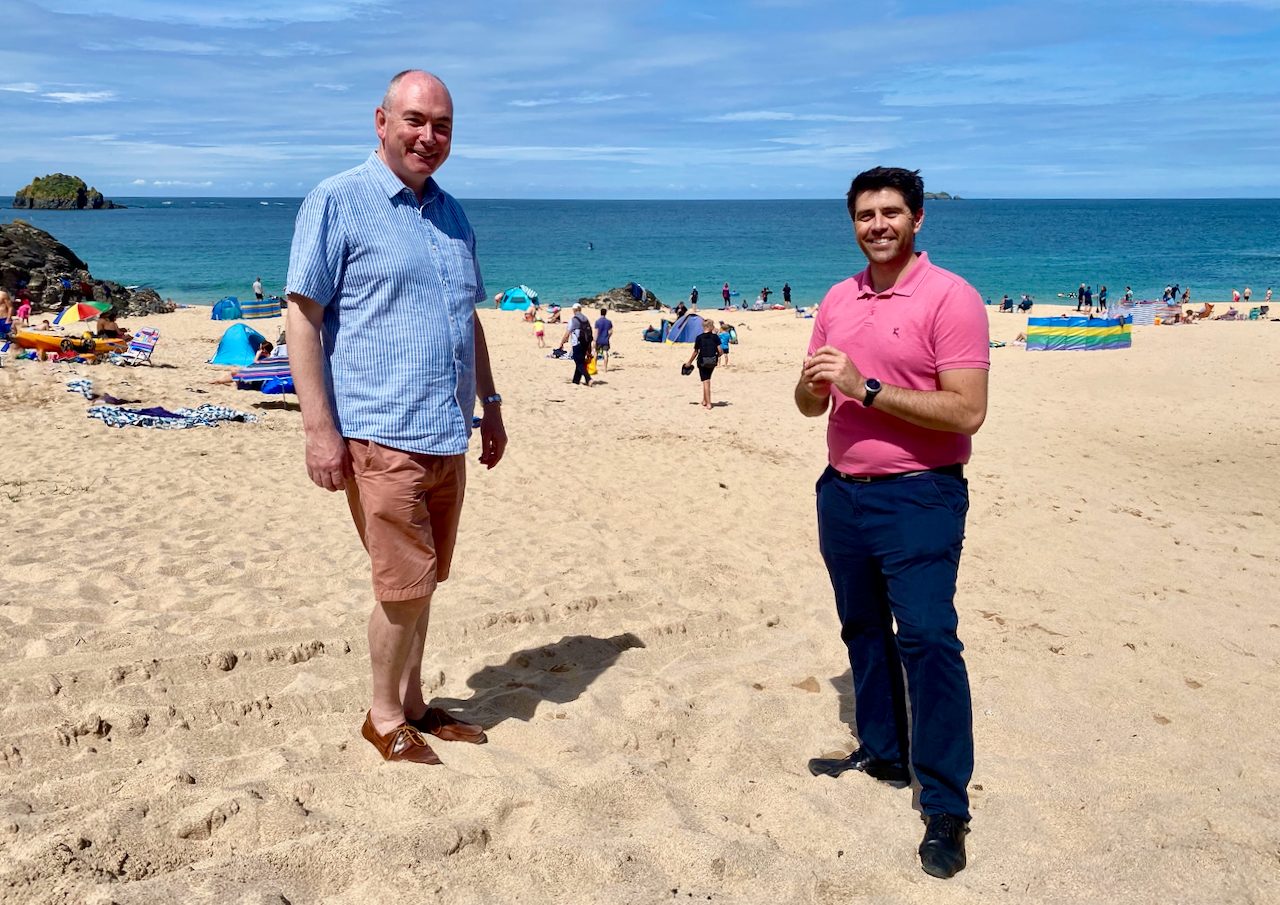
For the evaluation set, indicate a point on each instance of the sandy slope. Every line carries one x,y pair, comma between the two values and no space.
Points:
184,674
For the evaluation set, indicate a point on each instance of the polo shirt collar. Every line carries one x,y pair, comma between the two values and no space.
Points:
905,287
390,183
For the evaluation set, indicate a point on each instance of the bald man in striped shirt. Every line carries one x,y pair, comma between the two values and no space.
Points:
388,358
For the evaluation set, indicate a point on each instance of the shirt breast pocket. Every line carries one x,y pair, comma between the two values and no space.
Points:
458,269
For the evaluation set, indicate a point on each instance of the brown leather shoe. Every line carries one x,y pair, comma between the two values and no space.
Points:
403,743
445,727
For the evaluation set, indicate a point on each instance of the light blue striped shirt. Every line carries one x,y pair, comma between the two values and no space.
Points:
399,283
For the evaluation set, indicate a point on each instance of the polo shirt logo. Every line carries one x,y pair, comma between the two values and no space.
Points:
895,332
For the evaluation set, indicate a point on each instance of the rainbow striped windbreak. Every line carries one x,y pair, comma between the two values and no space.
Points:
1066,334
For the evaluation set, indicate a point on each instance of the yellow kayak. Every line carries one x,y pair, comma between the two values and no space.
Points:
85,343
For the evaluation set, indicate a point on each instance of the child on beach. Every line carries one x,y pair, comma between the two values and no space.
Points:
540,330
23,316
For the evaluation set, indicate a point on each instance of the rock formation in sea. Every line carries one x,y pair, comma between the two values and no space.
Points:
35,265
61,192
623,299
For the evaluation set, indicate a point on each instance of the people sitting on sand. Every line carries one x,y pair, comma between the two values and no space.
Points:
1231,315
1006,304
107,326
45,326
553,314
264,351
1025,304
680,310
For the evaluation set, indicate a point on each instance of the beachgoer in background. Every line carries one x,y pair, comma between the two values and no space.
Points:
46,327
1006,303
257,288
679,311
540,331
1080,297
6,314
1088,298
1025,304
1102,298
786,293
1268,297
706,349
393,430
22,317
892,501
578,333
1235,295
693,296
764,294
726,336
554,317
724,293
604,334
1128,294
1248,293
264,351
1186,296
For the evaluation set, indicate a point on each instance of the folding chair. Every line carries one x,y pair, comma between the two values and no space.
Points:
141,347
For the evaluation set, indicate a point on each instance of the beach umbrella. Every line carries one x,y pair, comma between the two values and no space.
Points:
81,311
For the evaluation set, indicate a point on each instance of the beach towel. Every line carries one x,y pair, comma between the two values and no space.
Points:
157,417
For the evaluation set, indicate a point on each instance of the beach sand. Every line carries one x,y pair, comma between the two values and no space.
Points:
184,670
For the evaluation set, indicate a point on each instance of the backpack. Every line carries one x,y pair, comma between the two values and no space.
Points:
582,336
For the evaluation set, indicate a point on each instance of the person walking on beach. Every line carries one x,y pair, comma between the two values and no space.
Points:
724,293
578,334
898,361
706,349
1268,296
374,249
786,293
604,335
257,288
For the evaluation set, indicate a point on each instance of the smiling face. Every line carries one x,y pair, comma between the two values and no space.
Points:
415,129
885,228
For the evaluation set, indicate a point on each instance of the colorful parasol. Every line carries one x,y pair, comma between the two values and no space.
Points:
81,311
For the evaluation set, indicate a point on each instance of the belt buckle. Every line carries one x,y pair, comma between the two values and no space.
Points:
857,478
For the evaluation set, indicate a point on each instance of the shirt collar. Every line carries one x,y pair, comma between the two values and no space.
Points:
904,287
390,183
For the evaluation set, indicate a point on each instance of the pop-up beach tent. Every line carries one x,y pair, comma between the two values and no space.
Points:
657,334
517,298
685,329
238,346
1077,334
227,309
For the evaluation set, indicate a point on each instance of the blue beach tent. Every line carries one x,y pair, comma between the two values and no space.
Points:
238,346
517,298
659,334
685,329
227,309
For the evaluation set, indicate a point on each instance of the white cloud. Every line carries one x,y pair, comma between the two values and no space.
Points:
224,13
579,99
79,97
21,87
138,182
330,86
169,183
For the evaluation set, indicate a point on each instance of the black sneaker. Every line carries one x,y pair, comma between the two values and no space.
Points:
888,771
942,850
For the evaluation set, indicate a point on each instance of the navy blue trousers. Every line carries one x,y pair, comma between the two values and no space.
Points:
892,549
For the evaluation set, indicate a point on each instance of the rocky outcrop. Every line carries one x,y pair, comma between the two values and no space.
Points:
61,192
622,299
35,265
941,196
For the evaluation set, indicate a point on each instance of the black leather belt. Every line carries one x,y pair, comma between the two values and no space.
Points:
955,471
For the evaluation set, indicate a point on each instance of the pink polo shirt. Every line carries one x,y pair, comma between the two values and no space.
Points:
932,321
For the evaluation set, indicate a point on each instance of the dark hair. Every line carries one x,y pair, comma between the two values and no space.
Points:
908,182
604,311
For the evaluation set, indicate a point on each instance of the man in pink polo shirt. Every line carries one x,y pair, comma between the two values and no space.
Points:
899,358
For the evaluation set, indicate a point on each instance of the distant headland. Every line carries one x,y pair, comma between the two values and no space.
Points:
941,196
60,192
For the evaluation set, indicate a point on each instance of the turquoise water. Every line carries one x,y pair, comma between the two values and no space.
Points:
201,249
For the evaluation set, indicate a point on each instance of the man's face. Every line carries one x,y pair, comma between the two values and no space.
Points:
884,226
416,133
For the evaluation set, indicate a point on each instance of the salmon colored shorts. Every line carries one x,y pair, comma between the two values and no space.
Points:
406,507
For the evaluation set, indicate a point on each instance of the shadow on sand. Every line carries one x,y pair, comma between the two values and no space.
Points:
558,672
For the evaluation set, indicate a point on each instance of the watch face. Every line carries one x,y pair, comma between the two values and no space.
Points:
873,385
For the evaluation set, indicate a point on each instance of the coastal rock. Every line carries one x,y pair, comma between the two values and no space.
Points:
622,299
36,266
61,192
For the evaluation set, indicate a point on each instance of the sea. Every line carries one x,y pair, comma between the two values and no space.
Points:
198,250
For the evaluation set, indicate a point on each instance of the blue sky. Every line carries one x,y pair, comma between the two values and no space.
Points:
653,99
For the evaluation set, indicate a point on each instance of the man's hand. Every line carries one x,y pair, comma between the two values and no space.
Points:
328,462
829,367
493,437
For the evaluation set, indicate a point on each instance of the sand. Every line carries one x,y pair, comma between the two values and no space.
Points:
184,669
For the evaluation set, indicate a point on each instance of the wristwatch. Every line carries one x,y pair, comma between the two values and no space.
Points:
873,388
495,399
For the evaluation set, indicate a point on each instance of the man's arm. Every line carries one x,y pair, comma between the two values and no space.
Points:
959,405
812,399
493,435
328,463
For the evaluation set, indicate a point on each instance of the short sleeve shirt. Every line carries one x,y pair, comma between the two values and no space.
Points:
604,328
930,322
399,282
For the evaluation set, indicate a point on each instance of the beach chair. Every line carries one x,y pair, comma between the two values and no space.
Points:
141,347
1255,313
271,376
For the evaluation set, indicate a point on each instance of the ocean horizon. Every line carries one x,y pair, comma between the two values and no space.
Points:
196,250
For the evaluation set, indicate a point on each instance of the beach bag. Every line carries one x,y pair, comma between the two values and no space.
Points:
591,367
707,362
